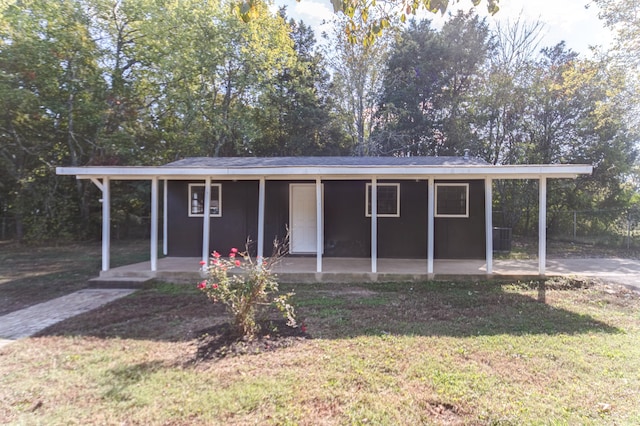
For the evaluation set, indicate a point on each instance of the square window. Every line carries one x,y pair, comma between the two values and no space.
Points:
388,200
452,200
196,200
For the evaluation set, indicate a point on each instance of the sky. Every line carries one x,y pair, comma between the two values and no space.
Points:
566,20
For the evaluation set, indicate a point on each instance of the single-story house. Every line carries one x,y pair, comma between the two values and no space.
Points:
427,207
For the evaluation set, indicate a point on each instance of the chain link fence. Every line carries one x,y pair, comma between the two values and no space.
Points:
614,227
618,228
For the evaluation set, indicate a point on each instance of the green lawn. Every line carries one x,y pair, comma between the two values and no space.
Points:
410,353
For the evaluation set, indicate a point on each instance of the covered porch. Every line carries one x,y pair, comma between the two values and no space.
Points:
347,270
314,173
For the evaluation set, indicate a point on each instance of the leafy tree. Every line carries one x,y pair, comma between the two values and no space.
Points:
574,113
623,17
52,88
211,68
358,72
502,98
366,19
296,115
429,82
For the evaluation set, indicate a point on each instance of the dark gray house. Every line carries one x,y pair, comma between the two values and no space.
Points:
427,207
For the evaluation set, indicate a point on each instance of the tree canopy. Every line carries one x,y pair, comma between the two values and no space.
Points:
145,82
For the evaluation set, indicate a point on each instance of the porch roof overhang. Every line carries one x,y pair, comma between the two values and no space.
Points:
318,169
331,172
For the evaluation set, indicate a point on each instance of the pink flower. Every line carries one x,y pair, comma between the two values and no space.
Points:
216,254
237,263
202,263
202,285
214,286
232,255
234,250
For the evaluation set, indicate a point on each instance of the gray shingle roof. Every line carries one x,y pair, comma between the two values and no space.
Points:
242,162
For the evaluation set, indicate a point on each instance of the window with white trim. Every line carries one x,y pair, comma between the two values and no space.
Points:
196,200
388,200
452,200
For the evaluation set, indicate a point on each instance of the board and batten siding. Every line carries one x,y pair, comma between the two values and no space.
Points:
347,230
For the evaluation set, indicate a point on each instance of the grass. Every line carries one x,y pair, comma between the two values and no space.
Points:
386,353
33,274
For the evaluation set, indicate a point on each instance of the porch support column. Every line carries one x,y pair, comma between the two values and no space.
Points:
542,225
165,222
206,219
106,222
374,225
261,201
154,224
488,216
319,222
430,215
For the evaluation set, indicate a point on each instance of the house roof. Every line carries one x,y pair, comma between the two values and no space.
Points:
244,162
326,168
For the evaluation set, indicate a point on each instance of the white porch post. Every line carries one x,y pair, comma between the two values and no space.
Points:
261,201
165,222
488,213
319,222
542,226
374,225
206,219
154,223
106,222
430,227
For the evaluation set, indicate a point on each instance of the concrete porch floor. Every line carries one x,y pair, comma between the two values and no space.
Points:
302,269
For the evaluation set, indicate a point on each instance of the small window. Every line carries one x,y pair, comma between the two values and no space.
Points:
388,200
452,200
196,200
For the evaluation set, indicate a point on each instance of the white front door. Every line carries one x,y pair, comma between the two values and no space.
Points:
302,218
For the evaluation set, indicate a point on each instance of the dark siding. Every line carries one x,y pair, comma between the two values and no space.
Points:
347,229
462,238
276,213
239,219
185,233
406,236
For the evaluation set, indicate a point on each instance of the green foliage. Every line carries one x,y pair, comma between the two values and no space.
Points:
104,82
145,82
429,84
361,28
244,287
297,114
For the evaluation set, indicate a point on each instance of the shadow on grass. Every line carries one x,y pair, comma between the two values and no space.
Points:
34,274
177,313
120,382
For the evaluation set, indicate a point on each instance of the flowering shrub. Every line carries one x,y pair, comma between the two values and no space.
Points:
244,286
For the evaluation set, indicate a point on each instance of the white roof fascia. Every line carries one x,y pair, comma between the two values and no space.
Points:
385,172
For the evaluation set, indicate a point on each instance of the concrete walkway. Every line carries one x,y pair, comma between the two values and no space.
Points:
26,322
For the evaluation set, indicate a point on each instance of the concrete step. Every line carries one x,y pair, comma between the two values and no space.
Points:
118,282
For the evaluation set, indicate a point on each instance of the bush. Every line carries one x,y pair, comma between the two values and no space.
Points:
245,286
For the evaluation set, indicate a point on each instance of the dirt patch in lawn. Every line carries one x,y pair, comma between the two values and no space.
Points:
179,313
221,340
